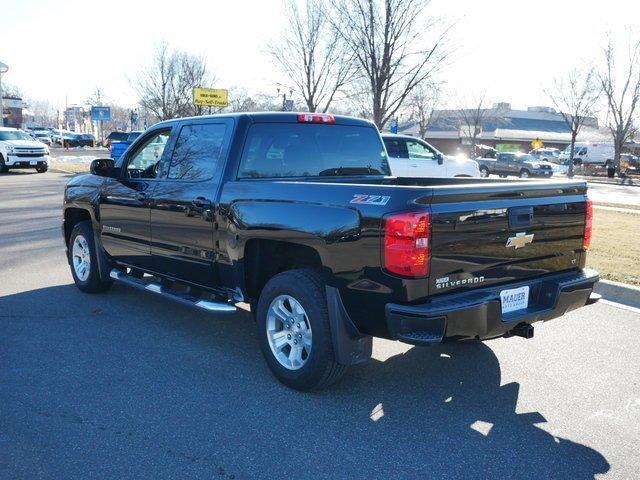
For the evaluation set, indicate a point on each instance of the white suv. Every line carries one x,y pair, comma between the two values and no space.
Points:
19,150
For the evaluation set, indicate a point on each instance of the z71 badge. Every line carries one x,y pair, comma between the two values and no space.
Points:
370,199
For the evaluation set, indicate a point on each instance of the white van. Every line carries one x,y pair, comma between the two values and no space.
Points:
592,153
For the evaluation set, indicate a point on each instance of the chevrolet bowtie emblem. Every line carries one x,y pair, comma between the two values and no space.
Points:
520,240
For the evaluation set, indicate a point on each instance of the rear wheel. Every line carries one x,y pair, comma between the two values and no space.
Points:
83,260
524,173
294,331
484,172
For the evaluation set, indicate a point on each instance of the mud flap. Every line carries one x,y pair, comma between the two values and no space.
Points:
349,345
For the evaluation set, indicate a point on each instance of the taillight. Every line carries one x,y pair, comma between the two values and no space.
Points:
588,224
407,249
316,118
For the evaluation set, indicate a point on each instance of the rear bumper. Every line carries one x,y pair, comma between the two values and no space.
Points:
478,313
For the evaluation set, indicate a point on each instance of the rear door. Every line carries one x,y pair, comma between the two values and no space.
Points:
184,202
398,157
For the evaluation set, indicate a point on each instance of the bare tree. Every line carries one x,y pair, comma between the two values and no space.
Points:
575,96
388,39
423,102
622,94
166,87
471,120
311,56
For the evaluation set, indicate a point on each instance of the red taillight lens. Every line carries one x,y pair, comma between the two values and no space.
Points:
316,118
407,249
588,224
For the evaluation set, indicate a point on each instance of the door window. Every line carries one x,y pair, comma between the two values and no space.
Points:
144,162
198,152
419,151
396,148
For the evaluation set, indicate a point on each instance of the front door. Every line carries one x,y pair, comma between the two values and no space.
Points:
423,161
124,202
184,202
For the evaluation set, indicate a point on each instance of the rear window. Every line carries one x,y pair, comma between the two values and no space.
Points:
310,150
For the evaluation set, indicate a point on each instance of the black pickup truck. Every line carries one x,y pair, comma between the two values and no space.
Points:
296,215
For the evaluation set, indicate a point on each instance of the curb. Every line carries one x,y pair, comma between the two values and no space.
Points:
619,292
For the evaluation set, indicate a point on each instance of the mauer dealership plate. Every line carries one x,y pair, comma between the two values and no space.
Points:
514,299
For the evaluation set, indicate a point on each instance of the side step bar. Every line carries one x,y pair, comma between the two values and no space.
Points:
207,305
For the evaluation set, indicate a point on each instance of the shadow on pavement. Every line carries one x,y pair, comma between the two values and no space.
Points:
125,385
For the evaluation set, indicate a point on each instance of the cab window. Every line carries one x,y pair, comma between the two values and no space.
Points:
419,151
197,152
144,162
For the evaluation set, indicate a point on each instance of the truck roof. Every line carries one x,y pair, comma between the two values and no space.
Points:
273,117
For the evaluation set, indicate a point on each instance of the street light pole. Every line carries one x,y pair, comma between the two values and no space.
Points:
3,69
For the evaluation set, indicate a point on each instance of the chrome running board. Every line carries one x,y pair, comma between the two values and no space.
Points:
185,299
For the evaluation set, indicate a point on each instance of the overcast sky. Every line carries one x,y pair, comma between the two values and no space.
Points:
510,49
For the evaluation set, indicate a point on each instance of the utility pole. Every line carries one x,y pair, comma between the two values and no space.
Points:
3,69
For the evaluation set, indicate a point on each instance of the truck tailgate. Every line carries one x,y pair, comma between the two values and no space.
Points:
492,234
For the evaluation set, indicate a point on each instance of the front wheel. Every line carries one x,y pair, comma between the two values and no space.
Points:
484,172
524,173
83,260
294,331
3,166
41,169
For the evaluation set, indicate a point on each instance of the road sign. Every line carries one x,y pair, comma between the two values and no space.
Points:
393,125
288,105
210,97
100,113
537,143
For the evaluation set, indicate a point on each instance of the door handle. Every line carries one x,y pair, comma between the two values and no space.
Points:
201,202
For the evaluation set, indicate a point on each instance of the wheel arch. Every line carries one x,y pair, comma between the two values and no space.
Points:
265,258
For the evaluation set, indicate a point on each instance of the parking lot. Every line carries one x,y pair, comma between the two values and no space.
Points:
126,385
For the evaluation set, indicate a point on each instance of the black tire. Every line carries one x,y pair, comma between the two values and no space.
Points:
3,166
93,283
320,368
524,173
42,169
484,172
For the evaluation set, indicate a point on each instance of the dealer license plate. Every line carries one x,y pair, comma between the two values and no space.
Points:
514,299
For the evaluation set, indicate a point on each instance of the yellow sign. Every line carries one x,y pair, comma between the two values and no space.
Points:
537,143
210,97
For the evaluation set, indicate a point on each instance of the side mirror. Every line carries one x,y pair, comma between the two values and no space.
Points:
439,158
103,167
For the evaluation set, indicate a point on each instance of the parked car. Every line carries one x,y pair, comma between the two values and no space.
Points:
19,150
118,147
115,137
413,157
296,215
43,136
590,153
86,140
629,163
547,154
522,165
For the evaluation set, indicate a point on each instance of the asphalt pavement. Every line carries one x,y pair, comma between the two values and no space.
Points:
126,385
